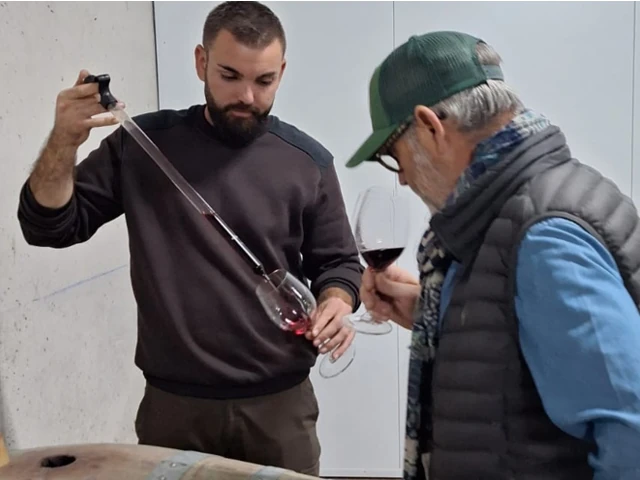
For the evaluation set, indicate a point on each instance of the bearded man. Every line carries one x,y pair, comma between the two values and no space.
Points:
221,377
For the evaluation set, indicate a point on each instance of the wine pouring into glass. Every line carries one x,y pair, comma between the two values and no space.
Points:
381,232
286,300
289,304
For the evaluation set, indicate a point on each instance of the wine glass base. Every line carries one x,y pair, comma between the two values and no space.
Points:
366,325
330,368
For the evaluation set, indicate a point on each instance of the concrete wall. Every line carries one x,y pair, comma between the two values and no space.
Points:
67,317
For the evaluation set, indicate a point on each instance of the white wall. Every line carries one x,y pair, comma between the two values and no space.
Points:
635,122
67,318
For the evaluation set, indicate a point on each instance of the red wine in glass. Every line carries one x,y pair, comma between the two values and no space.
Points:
289,304
294,320
381,258
381,232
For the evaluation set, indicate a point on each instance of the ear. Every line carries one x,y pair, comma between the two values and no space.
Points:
429,128
200,55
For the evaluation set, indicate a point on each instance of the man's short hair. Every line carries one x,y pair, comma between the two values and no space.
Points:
251,23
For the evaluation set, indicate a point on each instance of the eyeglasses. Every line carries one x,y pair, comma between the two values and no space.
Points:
383,157
388,162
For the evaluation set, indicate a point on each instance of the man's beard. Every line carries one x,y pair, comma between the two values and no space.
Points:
429,183
238,131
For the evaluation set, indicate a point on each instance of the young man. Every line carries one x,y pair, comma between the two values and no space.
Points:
525,361
221,377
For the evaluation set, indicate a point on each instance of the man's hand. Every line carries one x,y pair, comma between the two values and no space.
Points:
329,329
52,179
76,110
392,293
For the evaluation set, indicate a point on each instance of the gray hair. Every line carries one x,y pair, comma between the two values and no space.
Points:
475,108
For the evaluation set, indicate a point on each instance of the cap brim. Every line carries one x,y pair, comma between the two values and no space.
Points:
371,146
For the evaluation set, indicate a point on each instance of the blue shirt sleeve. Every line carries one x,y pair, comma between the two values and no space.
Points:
580,336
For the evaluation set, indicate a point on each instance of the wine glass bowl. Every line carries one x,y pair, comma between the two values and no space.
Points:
289,304
381,234
287,301
381,258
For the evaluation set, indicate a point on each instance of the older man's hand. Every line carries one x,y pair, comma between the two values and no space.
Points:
329,328
392,294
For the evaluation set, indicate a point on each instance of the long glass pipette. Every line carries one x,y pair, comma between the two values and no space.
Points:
111,104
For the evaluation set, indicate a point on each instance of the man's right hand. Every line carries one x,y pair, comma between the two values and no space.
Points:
75,108
392,293
51,180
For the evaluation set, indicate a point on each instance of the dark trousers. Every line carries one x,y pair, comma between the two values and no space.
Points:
276,430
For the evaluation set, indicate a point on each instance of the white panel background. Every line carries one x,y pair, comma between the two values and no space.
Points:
67,317
572,61
636,110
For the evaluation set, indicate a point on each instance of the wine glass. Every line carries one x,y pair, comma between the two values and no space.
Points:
381,233
289,304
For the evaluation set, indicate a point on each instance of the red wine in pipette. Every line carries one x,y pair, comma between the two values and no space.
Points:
381,258
219,224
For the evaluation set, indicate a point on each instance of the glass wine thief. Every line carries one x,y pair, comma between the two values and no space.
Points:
109,101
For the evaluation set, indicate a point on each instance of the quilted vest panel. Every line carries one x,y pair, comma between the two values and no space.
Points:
488,419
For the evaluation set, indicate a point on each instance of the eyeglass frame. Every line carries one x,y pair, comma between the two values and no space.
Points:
386,146
393,138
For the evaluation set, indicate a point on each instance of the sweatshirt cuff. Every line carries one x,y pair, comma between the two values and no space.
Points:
343,285
36,214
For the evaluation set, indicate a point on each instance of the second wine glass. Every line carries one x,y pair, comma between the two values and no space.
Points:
289,304
381,233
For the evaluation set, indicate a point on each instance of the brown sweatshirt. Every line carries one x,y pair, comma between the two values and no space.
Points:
201,329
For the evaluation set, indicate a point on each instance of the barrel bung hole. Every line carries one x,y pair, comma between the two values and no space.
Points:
57,461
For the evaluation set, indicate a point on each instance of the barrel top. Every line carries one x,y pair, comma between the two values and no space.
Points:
107,461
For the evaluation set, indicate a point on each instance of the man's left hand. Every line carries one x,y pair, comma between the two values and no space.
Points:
329,328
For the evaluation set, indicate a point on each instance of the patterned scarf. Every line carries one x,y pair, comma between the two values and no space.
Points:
433,263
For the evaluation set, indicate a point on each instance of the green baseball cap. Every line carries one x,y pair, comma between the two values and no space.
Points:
423,71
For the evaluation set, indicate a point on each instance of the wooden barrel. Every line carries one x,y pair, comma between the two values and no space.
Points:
132,462
4,454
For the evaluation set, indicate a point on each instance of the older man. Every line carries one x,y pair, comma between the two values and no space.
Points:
525,359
